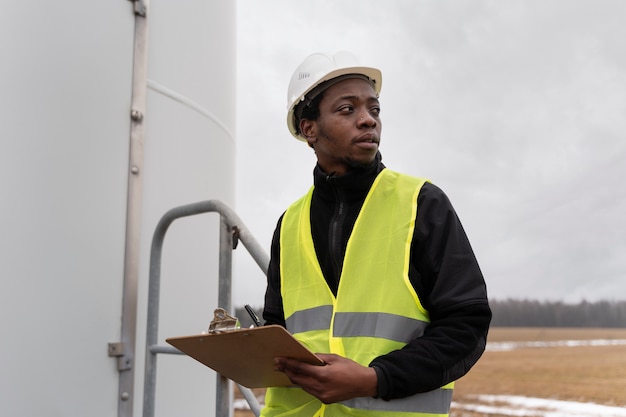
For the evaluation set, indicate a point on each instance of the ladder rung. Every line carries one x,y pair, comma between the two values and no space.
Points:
165,349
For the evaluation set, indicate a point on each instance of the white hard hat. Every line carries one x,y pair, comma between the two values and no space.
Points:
315,70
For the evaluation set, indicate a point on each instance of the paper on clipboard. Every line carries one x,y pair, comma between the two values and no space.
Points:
246,355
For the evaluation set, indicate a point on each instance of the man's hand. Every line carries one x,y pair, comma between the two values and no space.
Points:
339,380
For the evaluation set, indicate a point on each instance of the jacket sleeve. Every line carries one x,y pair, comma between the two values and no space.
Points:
448,280
273,310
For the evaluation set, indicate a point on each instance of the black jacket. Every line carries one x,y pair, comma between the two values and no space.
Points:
443,271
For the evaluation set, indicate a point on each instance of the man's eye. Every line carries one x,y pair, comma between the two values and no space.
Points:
346,109
375,110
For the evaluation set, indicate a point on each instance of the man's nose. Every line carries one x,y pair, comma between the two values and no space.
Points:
366,119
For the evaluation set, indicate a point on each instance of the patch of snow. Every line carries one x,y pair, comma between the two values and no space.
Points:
241,404
511,405
507,346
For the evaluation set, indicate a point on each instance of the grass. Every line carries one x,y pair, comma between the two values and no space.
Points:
586,373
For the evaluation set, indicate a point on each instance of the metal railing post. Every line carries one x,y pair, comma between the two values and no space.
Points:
223,400
229,222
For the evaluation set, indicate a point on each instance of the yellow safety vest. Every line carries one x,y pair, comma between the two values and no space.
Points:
376,309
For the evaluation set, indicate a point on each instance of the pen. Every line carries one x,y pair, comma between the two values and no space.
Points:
252,314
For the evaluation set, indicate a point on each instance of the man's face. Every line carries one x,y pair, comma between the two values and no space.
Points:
347,131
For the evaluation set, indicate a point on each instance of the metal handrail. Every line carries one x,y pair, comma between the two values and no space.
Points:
231,228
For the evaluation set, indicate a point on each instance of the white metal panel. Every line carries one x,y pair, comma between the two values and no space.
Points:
189,157
65,91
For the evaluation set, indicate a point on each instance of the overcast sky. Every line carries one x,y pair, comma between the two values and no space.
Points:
516,109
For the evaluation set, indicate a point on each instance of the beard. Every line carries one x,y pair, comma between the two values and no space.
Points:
348,160
355,164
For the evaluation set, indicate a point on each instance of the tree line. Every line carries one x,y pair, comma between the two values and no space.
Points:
532,313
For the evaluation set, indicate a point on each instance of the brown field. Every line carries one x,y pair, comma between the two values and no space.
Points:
587,373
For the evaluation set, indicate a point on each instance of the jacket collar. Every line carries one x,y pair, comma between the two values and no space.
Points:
354,184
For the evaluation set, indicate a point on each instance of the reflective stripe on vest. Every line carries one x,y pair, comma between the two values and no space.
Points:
372,324
376,309
433,402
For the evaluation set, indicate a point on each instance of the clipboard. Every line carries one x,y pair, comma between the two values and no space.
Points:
246,355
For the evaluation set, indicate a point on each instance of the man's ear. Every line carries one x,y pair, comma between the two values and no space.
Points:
308,128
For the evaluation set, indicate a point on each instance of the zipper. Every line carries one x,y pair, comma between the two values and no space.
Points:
335,232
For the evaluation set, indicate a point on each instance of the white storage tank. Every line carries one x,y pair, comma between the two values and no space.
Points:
69,259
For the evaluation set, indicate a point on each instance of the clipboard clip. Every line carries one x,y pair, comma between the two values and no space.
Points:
223,322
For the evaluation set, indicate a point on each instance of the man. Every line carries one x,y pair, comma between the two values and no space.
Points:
371,269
